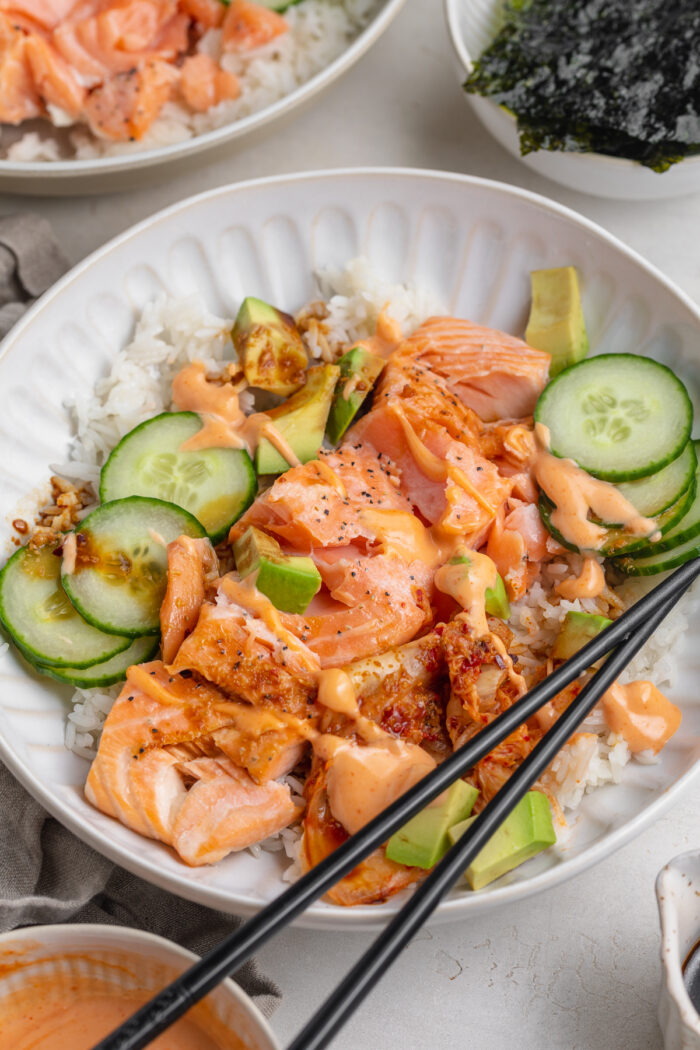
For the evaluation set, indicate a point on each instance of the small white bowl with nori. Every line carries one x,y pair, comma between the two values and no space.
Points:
472,25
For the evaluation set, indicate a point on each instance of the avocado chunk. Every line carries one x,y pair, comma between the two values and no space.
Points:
496,600
424,840
289,581
300,421
556,323
269,347
359,371
526,831
577,629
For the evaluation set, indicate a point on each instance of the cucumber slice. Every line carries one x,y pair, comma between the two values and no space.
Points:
661,562
655,494
110,671
619,542
685,529
121,567
214,484
619,416
39,618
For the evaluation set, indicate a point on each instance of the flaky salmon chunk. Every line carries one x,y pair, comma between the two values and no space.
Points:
191,562
320,504
160,771
247,26
495,374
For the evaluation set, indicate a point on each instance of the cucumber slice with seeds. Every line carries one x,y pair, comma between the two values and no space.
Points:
109,672
618,541
42,622
121,565
619,416
214,484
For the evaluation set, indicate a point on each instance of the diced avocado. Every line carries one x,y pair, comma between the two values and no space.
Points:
289,581
423,841
577,629
301,421
497,603
526,831
269,347
359,371
556,323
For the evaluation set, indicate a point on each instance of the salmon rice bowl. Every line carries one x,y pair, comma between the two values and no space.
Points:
84,79
294,562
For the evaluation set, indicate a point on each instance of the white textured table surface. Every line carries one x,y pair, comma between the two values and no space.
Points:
577,969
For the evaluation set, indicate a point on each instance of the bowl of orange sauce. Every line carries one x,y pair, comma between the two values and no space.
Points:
66,987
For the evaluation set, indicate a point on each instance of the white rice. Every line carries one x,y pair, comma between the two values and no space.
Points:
319,32
172,332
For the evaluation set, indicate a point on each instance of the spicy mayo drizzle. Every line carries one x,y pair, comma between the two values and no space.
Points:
588,584
225,425
641,714
575,493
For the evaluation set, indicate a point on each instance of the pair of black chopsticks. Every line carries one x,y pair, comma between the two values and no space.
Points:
625,636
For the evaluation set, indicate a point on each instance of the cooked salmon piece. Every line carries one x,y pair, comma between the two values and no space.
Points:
319,504
240,653
447,481
204,84
424,396
209,13
247,26
173,39
376,603
225,811
160,772
54,80
133,25
124,107
495,374
517,545
153,709
68,41
45,13
19,99
191,562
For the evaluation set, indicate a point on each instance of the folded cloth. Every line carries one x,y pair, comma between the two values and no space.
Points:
47,875
30,262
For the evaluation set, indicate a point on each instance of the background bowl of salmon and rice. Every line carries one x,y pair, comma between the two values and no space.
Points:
325,39
470,244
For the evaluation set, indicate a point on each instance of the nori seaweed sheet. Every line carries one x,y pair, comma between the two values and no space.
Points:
620,77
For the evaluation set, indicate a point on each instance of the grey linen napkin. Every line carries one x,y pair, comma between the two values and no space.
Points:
30,262
47,875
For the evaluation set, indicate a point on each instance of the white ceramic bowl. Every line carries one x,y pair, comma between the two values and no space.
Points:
470,241
123,960
472,25
678,895
109,174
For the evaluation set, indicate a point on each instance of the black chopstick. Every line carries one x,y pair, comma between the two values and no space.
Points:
175,999
366,973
